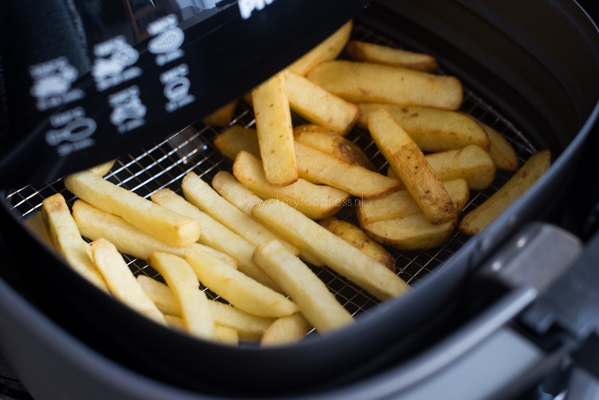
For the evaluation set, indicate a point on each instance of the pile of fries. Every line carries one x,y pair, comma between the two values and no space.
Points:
250,234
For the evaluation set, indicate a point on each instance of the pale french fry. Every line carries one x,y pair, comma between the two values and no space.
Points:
432,129
413,232
225,257
170,227
175,322
120,280
362,81
503,154
200,194
411,167
376,53
329,142
361,241
318,106
215,235
401,204
316,303
183,283
237,288
67,240
236,139
314,201
318,167
39,227
226,335
329,49
222,116
286,330
248,326
103,169
336,253
244,199
275,133
482,216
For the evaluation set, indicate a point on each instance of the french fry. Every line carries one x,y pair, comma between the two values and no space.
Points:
362,81
121,282
327,50
503,154
236,139
318,167
361,241
411,167
103,169
222,333
237,288
432,129
316,303
286,330
329,142
215,235
314,201
318,106
275,133
413,232
244,199
67,240
225,257
183,283
482,216
222,116
336,253
376,53
401,204
248,326
39,227
170,227
200,194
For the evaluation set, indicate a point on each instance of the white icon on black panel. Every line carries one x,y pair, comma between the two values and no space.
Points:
74,131
177,89
55,79
126,105
120,57
167,41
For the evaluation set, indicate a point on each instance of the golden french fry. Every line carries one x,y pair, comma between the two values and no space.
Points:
67,240
432,129
175,322
336,253
183,283
170,227
286,330
200,194
410,165
314,201
329,49
120,280
318,167
236,139
318,106
225,257
222,116
329,142
222,333
103,169
482,216
238,289
39,227
275,133
248,326
413,232
357,238
379,54
244,199
401,203
316,303
362,81
503,154
215,235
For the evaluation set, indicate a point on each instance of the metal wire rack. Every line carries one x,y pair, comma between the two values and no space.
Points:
164,165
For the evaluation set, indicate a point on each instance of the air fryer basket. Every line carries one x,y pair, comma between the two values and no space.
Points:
135,342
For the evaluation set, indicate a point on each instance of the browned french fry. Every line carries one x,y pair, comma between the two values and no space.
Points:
275,133
482,216
503,154
314,201
286,330
329,49
376,53
411,167
222,116
67,240
362,81
319,106
357,238
236,139
432,129
170,227
329,142
121,282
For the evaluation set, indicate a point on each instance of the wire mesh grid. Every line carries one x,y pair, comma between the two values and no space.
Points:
166,163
